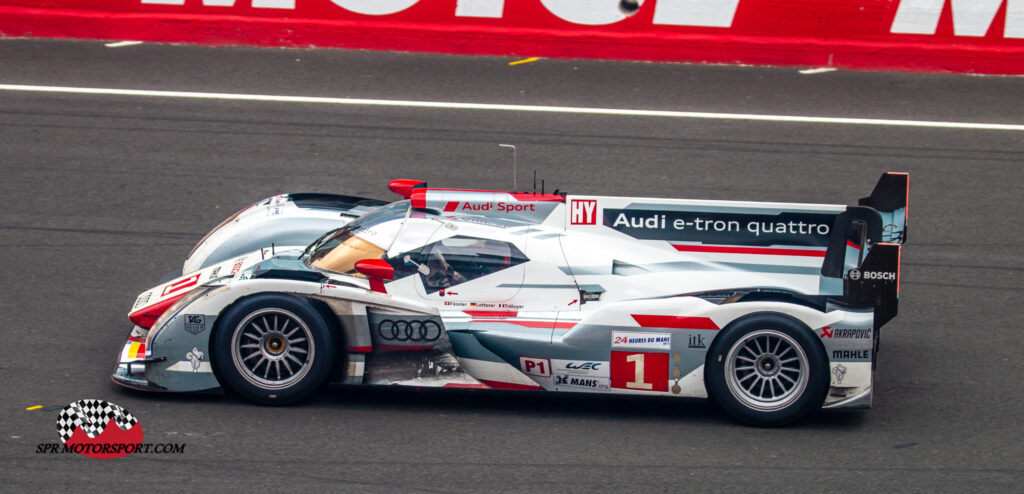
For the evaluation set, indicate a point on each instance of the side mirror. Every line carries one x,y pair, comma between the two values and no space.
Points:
377,270
405,187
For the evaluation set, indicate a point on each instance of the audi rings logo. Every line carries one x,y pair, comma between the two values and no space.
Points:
427,330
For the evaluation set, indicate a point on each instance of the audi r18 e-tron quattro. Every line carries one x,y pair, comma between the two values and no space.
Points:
772,309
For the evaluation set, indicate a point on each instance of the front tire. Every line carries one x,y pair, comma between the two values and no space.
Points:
767,370
273,349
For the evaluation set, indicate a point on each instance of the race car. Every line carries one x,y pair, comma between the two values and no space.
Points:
772,309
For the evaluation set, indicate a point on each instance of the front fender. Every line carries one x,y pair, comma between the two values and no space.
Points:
292,219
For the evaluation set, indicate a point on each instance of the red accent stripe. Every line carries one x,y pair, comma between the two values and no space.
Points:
181,284
849,243
519,196
531,197
359,349
531,324
491,313
649,321
403,348
451,206
769,251
504,385
466,386
147,316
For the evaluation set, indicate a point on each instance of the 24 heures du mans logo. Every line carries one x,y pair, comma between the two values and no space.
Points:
101,429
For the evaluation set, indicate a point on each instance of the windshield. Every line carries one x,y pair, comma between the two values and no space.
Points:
366,237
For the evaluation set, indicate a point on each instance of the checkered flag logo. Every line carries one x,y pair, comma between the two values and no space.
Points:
92,416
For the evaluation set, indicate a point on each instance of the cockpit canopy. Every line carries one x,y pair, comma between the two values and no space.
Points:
441,260
367,237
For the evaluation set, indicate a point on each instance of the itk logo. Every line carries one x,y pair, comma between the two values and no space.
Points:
583,212
99,429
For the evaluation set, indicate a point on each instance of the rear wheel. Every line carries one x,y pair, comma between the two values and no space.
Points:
767,370
273,349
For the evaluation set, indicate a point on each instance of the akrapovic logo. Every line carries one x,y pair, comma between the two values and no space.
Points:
853,333
856,275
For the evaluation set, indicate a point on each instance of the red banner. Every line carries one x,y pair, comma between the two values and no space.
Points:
983,36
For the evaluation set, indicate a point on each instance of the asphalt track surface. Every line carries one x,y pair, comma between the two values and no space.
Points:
103,194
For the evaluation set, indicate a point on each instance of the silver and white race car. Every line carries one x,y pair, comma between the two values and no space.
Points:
773,309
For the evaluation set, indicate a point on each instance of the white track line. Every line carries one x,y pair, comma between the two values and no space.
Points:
519,108
119,44
819,70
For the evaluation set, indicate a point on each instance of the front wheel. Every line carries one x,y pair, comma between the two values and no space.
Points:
273,349
767,370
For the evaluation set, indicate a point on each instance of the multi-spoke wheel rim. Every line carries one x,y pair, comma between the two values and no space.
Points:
767,370
272,348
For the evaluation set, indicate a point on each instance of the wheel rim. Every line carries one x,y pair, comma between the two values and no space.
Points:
272,348
767,370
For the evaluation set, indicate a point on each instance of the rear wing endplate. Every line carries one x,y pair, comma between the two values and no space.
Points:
891,198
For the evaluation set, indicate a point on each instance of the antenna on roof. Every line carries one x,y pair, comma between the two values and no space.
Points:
514,185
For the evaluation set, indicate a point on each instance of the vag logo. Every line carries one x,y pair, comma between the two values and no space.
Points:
583,212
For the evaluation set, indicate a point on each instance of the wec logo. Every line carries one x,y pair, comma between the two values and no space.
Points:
584,366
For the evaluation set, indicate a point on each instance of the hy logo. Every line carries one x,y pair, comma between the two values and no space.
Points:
583,212
98,429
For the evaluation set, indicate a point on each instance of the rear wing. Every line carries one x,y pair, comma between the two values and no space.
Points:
866,246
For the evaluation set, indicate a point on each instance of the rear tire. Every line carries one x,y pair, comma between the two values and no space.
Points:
767,370
273,349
